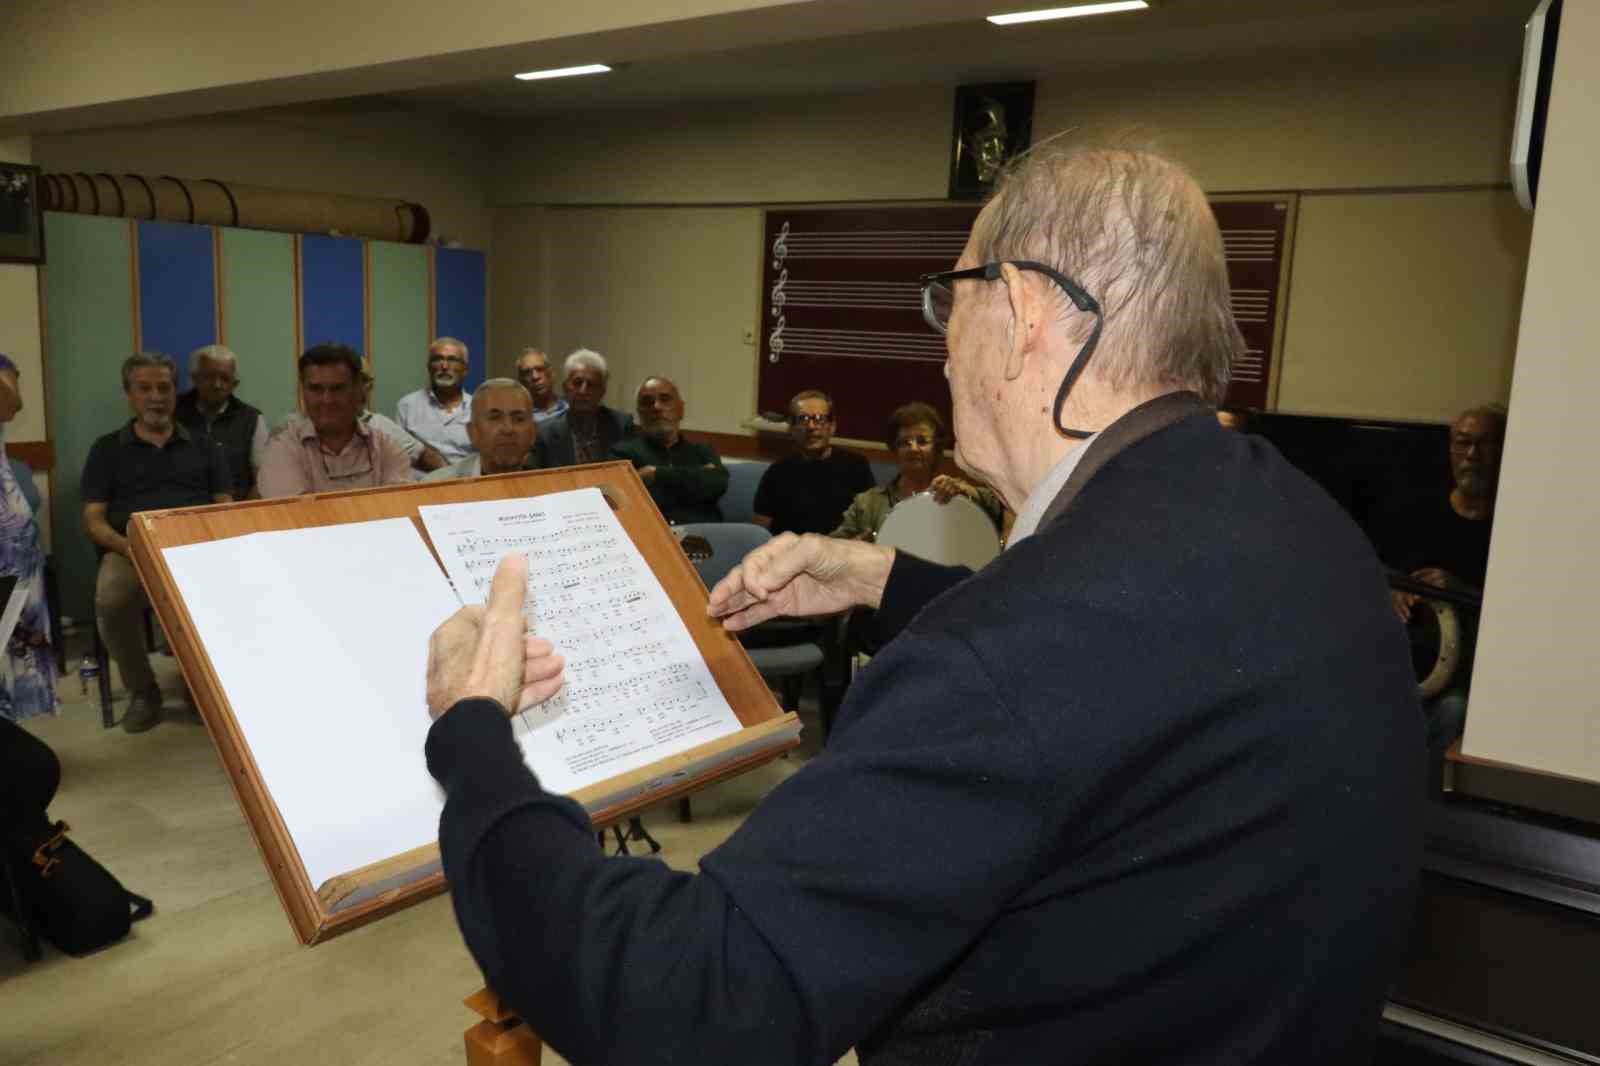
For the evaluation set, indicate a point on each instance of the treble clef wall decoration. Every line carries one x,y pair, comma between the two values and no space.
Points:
780,247
778,296
780,252
775,341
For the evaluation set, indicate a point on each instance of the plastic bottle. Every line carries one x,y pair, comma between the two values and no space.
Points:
87,672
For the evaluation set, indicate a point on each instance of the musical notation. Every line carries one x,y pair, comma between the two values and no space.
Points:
637,688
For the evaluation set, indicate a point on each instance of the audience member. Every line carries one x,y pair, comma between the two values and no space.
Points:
28,684
916,435
685,479
419,455
330,448
150,463
438,415
1450,548
502,430
587,430
210,409
809,491
533,370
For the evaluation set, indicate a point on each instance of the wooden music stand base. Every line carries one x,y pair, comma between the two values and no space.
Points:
501,1038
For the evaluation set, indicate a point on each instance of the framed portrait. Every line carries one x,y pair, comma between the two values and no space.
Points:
21,218
993,123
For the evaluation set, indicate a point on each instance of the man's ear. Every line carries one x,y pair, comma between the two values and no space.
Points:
1021,334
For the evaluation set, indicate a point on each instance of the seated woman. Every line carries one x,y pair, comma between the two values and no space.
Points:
27,669
916,435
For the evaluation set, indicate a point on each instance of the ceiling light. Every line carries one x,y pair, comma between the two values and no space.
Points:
1077,11
564,72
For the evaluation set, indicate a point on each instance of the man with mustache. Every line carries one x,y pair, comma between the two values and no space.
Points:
1450,538
533,371
807,492
148,464
685,479
438,415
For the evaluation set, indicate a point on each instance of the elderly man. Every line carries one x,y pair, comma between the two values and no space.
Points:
1448,547
588,429
533,370
807,492
502,432
331,448
1117,797
210,409
150,463
685,479
438,415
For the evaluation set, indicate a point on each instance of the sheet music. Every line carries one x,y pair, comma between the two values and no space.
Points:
320,640
637,688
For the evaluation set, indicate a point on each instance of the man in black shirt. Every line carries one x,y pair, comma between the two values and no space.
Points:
148,464
210,409
809,491
1449,549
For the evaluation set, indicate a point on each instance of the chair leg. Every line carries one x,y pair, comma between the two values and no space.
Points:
637,831
685,814
102,659
789,687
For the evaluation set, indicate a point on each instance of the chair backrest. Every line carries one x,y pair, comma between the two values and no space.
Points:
744,475
956,533
730,542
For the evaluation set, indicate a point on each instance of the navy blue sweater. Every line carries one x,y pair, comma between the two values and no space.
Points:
1145,789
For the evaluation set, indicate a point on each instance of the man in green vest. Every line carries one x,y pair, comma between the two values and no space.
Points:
685,479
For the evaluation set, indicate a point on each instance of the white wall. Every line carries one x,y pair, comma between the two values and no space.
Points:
1535,688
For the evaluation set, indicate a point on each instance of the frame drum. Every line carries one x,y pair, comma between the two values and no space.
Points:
1435,632
957,533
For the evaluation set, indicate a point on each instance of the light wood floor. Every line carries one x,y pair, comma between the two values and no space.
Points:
215,976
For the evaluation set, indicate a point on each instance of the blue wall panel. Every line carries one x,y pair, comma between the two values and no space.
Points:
177,291
461,305
333,292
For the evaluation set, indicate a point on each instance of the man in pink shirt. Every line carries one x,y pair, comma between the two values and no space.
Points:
330,450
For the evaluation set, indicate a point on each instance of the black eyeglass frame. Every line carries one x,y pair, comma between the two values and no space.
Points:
1080,299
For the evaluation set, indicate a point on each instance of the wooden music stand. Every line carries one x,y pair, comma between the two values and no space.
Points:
344,902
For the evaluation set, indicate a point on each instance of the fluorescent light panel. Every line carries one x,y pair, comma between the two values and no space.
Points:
564,72
1078,11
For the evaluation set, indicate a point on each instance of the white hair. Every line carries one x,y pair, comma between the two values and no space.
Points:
217,353
585,358
449,342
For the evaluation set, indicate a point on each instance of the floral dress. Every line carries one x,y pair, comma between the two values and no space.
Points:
27,671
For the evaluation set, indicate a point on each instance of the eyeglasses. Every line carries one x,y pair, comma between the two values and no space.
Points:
913,442
939,299
815,421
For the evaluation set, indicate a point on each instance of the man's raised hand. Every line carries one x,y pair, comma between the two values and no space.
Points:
792,576
488,652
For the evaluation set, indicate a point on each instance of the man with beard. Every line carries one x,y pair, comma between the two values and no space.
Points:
685,479
588,429
808,492
148,464
1450,548
439,414
502,431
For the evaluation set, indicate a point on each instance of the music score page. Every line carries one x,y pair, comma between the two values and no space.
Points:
637,688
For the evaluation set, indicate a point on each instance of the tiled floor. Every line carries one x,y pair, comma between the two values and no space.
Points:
216,976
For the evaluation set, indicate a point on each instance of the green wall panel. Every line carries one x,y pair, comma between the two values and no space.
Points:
397,276
89,332
258,317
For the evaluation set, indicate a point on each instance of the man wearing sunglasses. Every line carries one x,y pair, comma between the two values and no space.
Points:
1145,789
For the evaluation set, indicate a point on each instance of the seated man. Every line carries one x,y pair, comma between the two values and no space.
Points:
438,415
330,449
420,456
1450,548
808,492
502,431
588,429
210,409
685,479
533,370
150,463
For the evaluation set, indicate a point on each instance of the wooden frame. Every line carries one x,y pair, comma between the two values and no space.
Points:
358,896
21,214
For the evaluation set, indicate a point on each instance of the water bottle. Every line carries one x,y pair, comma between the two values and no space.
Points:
88,672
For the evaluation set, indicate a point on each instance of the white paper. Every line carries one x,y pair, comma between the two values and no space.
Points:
320,640
638,689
